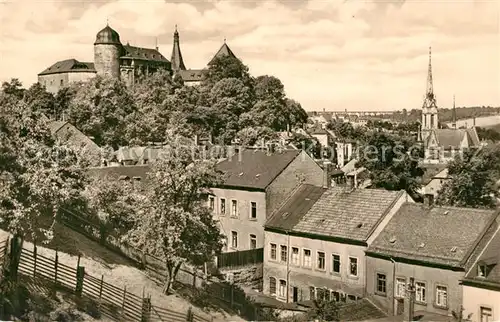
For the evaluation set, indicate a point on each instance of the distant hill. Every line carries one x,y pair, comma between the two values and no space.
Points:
445,114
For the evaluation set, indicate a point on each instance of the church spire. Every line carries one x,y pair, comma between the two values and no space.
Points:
176,59
454,115
430,87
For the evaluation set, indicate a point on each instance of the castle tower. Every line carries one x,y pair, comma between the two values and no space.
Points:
429,107
176,59
107,52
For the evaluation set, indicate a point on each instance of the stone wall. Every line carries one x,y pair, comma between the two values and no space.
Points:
246,276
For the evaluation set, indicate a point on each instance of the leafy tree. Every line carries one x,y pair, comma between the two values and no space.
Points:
14,88
459,316
391,162
226,67
324,311
250,136
101,108
174,223
345,130
488,134
472,179
63,99
37,98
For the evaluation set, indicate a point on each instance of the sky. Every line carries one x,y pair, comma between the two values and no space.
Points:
359,55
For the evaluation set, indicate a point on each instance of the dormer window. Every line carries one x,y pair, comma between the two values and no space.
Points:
481,270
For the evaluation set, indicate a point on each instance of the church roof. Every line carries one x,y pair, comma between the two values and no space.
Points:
69,66
223,51
453,138
143,53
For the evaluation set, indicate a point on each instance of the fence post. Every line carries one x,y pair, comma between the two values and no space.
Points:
55,268
34,259
189,317
146,309
100,291
123,303
194,278
80,275
232,296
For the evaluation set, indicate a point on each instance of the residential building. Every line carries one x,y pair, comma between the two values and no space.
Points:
435,183
344,151
257,182
434,246
481,285
315,242
324,138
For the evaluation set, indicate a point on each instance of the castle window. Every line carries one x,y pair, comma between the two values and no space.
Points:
62,82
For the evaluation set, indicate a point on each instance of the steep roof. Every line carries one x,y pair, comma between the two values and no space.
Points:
452,138
176,58
224,50
490,257
440,235
295,207
69,66
253,168
143,53
351,215
191,75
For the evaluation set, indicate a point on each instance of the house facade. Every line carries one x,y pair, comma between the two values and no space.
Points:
481,285
315,243
431,246
256,183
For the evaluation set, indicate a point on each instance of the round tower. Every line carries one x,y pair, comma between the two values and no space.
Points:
107,52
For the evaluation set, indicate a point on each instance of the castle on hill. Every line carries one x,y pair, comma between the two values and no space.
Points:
125,62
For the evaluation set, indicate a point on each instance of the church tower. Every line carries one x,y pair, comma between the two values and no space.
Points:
429,107
176,59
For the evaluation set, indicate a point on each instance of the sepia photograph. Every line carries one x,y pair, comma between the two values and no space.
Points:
250,160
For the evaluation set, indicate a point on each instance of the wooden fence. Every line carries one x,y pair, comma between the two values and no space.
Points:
241,258
116,303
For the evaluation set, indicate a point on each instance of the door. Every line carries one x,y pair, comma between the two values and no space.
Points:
295,294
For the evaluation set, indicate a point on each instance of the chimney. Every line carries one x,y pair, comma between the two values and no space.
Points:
428,200
351,182
327,175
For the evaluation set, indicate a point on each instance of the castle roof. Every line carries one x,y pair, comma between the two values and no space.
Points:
191,75
107,36
69,66
176,59
143,54
223,51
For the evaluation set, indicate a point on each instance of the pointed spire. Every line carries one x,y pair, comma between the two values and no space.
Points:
224,39
176,59
107,21
454,114
430,89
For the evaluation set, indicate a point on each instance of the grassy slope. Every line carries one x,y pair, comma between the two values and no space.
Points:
99,261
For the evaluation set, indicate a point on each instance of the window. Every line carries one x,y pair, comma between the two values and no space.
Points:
234,239
273,251
320,294
253,241
272,286
335,296
222,206
353,266
481,270
381,283
400,287
420,292
307,258
234,208
441,296
253,210
312,293
283,253
486,314
211,203
295,256
321,261
282,290
335,263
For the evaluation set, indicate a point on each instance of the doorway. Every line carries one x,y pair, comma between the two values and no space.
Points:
295,294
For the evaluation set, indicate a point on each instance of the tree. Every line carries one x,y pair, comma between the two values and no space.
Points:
345,130
63,99
14,88
324,311
473,178
226,66
173,222
37,98
488,134
391,162
250,136
102,108
459,316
